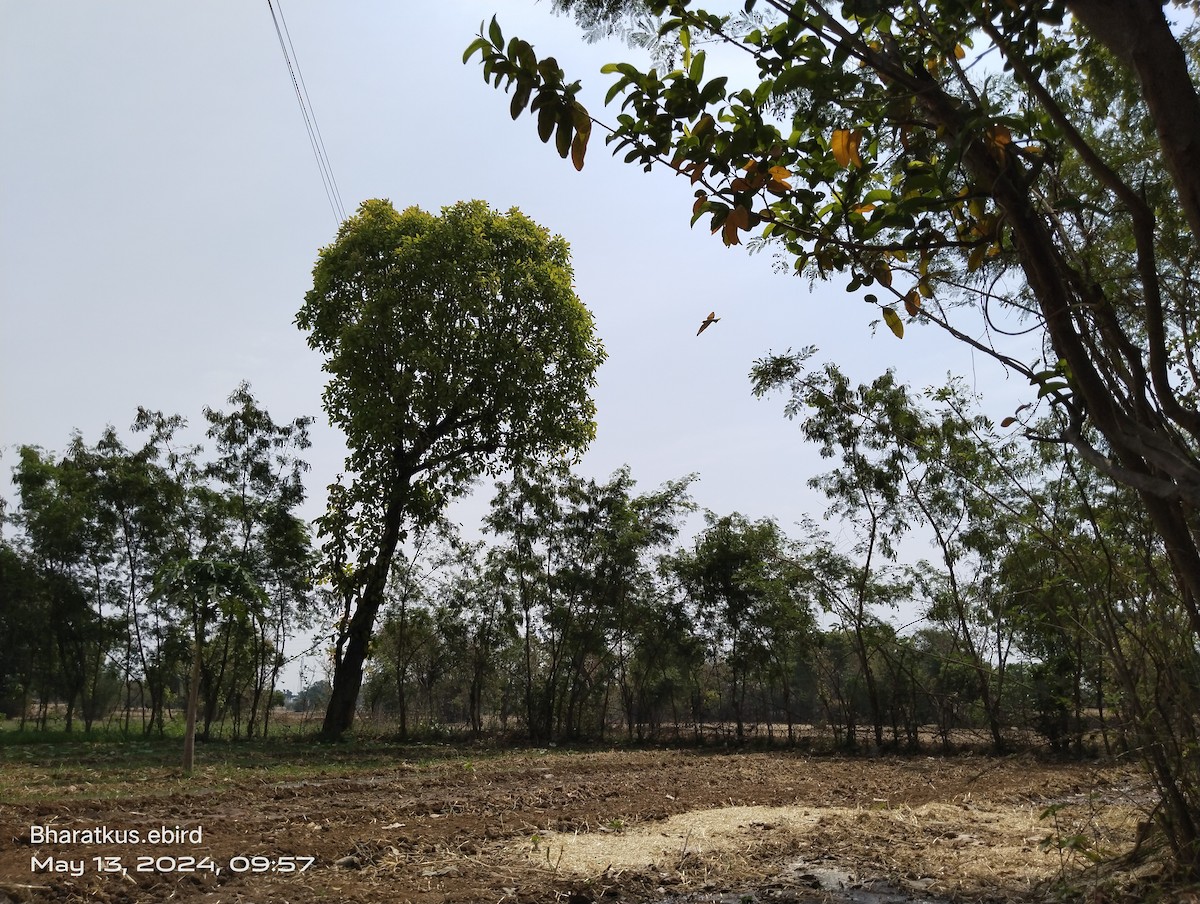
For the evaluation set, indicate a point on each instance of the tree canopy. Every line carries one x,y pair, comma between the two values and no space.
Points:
456,347
884,142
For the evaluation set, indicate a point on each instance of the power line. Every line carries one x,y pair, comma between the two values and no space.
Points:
306,110
316,127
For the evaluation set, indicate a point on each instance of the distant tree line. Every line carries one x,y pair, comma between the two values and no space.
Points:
87,619
1042,609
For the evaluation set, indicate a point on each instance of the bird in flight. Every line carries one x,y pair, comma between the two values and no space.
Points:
707,322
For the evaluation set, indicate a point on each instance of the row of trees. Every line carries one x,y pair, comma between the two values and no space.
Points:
96,611
582,616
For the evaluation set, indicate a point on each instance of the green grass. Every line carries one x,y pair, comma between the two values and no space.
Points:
112,730
105,764
93,768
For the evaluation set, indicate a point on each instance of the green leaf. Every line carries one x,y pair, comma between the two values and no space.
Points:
617,87
481,44
496,35
714,90
546,119
562,138
520,98
527,57
789,80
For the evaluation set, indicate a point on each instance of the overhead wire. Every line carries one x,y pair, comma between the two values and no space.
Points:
306,110
316,126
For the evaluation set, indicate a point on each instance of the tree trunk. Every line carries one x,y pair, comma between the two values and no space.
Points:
193,704
348,671
343,696
1137,33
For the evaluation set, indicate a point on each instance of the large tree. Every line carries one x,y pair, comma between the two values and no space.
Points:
456,346
978,165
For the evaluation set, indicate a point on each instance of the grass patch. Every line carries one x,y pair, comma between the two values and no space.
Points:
96,767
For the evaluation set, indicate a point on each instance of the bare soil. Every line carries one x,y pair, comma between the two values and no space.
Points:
445,825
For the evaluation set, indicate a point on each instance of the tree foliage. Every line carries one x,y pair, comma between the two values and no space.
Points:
877,143
749,589
207,590
96,527
456,347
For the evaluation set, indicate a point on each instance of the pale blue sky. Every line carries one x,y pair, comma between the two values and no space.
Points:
160,212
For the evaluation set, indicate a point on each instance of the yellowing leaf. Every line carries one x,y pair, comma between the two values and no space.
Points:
777,180
959,53
975,258
912,303
582,121
895,324
844,145
739,218
578,149
998,137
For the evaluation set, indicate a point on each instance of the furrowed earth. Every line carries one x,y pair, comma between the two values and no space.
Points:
434,824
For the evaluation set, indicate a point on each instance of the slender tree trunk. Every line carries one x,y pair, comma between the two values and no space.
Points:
193,705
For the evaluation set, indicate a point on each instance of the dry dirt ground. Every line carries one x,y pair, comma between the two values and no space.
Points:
572,827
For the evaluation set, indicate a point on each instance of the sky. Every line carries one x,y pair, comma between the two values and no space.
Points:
161,211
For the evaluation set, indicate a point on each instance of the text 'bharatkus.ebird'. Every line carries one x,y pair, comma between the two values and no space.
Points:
44,834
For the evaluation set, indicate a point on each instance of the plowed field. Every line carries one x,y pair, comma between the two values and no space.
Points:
443,825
